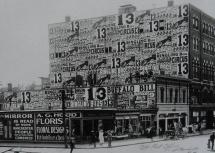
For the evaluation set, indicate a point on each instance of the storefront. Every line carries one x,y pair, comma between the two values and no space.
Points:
165,121
134,123
126,123
39,126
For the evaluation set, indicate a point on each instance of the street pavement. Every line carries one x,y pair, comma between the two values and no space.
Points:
197,144
194,143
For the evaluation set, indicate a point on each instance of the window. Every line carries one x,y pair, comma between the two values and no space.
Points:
197,44
203,28
193,22
212,49
194,43
176,95
206,28
162,94
203,46
197,23
207,47
145,121
209,29
214,32
170,95
184,96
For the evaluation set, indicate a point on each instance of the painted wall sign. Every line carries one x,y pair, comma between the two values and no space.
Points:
17,126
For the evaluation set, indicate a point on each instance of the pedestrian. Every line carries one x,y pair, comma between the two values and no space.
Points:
212,137
109,137
93,138
101,137
72,146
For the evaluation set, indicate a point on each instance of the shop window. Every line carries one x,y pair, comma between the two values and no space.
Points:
195,118
133,124
145,121
119,127
162,95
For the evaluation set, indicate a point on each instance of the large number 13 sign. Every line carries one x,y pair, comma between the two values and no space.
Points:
99,93
26,97
183,69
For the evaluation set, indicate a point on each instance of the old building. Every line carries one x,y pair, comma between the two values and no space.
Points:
202,67
124,72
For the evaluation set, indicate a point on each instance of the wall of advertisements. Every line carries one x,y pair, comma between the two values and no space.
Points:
122,49
123,96
33,100
34,126
113,48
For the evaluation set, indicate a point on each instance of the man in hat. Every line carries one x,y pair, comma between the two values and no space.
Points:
212,137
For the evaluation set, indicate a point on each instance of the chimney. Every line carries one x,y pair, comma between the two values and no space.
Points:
67,19
9,86
170,3
127,9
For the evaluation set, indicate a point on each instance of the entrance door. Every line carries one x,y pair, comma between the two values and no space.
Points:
76,126
87,128
162,126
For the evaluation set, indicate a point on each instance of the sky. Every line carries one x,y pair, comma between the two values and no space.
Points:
24,30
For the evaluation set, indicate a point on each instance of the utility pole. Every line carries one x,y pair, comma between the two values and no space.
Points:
64,118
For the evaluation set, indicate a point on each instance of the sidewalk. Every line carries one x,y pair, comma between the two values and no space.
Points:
116,143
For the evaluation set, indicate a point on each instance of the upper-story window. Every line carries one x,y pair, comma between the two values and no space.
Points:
214,31
203,46
162,94
176,96
170,95
206,28
195,23
209,29
184,96
203,28
194,43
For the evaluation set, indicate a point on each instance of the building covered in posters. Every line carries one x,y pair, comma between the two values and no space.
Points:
124,72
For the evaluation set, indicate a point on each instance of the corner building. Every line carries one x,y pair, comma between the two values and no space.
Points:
133,65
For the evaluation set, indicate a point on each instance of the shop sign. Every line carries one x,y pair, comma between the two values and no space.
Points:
18,126
49,126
